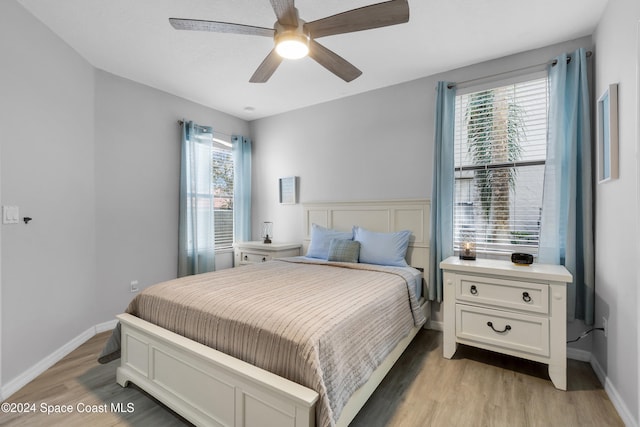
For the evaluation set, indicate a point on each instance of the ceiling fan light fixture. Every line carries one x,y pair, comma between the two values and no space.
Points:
294,38
292,42
292,45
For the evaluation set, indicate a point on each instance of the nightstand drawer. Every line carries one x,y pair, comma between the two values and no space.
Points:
509,294
254,257
256,252
496,329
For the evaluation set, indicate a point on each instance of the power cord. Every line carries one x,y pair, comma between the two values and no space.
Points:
584,334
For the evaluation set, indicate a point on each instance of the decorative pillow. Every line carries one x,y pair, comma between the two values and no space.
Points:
382,248
342,250
321,239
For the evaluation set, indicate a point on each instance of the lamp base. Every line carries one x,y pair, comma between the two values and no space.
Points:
267,239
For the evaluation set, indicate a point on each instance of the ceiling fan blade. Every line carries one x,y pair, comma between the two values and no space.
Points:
333,62
286,12
374,16
220,27
266,69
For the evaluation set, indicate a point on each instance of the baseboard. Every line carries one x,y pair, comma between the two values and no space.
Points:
614,396
106,326
435,325
40,367
579,355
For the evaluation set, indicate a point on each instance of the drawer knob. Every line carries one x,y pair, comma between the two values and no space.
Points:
246,258
526,297
473,290
506,328
264,259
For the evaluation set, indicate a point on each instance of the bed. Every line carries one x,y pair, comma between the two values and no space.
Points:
210,387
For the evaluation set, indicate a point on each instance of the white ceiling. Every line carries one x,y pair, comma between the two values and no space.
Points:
133,39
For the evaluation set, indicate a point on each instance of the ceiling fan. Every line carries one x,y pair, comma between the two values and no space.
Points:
295,38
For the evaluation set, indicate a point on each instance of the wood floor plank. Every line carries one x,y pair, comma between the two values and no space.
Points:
475,388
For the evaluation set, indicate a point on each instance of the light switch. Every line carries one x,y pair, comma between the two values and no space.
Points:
10,215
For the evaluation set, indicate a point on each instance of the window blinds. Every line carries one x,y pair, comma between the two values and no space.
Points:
500,152
223,195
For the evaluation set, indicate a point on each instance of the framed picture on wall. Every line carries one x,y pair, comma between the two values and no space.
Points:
288,190
607,128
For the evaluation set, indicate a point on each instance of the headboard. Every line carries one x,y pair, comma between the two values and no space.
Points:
379,215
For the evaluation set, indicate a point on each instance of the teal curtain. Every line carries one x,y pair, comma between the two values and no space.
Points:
196,242
566,235
443,187
241,147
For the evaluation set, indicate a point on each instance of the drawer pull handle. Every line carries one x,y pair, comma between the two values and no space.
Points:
246,258
473,290
506,328
526,297
264,259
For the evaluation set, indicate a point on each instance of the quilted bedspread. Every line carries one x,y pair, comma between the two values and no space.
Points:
326,326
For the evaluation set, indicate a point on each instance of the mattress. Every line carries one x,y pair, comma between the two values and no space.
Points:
324,325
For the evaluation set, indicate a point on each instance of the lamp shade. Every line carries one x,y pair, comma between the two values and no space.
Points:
267,231
468,245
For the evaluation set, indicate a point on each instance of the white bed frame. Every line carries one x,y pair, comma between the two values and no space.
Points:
210,388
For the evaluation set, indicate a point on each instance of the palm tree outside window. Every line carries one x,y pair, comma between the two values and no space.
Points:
500,153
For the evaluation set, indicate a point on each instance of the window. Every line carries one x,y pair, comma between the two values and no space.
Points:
500,153
223,194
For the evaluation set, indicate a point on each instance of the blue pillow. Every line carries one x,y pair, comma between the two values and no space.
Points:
342,250
382,248
321,239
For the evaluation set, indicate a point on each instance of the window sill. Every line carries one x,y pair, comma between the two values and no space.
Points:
495,255
224,250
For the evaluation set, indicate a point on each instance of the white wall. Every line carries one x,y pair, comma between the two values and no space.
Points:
94,159
137,184
617,252
375,145
47,169
365,147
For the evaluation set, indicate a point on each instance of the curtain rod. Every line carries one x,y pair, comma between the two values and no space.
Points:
552,63
180,122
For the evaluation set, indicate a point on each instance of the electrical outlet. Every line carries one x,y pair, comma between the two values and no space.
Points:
605,326
134,286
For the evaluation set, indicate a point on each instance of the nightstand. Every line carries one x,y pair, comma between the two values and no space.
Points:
255,252
508,308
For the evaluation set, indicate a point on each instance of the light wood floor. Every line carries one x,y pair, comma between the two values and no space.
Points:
476,388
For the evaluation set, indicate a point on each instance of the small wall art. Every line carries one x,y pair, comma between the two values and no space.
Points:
607,134
288,190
